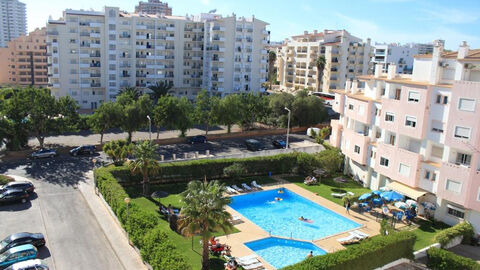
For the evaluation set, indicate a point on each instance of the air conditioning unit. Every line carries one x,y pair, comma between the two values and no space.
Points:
443,64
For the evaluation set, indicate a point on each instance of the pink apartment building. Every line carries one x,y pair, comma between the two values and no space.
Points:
417,134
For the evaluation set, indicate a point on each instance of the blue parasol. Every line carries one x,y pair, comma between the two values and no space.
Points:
365,196
390,196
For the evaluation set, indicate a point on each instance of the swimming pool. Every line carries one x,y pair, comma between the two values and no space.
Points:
280,252
280,218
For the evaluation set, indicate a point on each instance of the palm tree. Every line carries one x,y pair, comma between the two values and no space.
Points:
320,63
160,89
145,162
133,92
204,213
272,57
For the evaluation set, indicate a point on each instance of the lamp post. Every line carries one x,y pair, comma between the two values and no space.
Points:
149,127
288,126
127,201
94,161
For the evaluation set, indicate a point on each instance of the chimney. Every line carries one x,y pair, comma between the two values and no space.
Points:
305,32
378,70
436,58
463,50
348,85
354,88
392,70
315,32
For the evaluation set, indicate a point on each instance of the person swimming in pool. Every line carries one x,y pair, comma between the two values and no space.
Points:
278,199
301,218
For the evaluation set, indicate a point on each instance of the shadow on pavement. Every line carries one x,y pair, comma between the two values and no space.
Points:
43,253
15,207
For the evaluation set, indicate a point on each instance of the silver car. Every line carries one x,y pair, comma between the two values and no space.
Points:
44,153
35,264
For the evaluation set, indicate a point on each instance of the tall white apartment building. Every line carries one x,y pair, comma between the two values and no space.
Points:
346,57
153,7
94,54
13,21
417,134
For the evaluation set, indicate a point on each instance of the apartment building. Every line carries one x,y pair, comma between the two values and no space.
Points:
153,7
13,22
24,61
417,134
346,57
94,54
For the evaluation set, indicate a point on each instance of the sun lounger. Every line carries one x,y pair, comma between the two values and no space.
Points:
338,195
246,187
237,188
246,260
252,266
350,239
236,220
361,234
230,190
350,193
255,185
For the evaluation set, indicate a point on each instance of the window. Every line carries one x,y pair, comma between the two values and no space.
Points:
453,186
389,117
398,93
445,100
434,176
413,96
437,126
442,99
410,121
427,174
383,91
361,109
455,211
465,104
463,159
384,161
350,106
462,132
404,169
391,139
356,149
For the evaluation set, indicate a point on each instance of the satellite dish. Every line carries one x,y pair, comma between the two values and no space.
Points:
213,11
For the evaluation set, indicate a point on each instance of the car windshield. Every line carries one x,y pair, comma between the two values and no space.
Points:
4,242
4,255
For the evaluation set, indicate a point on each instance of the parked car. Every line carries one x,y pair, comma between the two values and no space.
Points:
83,150
280,144
44,153
23,185
254,145
18,254
198,139
23,238
309,131
35,264
13,195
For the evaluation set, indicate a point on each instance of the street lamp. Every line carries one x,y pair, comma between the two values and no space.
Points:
288,126
127,201
149,127
94,178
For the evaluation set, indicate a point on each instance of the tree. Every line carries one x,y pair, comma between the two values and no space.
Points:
307,110
272,57
253,107
159,90
118,151
14,112
164,113
227,111
145,163
277,102
132,92
204,213
183,116
204,112
134,113
320,64
107,116
330,160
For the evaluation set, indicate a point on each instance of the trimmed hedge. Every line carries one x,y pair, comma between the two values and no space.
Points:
369,254
440,259
463,228
5,179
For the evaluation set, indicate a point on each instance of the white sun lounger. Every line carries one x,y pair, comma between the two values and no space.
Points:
237,188
361,234
350,237
350,193
338,195
247,260
252,266
246,187
255,185
236,220
230,190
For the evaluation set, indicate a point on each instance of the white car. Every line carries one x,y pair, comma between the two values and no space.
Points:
44,153
35,264
309,131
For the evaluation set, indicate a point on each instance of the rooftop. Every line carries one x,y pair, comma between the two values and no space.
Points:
473,54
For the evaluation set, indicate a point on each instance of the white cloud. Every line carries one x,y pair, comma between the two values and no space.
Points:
205,2
451,15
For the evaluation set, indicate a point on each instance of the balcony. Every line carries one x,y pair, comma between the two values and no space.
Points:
358,139
84,65
141,37
338,104
218,28
158,57
95,85
141,27
95,45
94,64
155,66
458,173
141,47
141,75
156,76
398,157
170,38
362,110
141,56
94,55
84,75
336,135
95,35
124,36
170,28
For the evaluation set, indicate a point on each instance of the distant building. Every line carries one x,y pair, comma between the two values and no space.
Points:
346,56
13,21
153,7
24,61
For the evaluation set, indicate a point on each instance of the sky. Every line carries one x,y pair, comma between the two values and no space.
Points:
391,21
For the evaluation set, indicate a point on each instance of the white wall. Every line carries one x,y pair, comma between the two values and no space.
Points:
422,69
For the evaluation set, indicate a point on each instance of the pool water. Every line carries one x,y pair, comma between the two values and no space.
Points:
280,252
281,218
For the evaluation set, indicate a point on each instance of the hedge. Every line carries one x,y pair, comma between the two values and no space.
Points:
369,254
5,179
463,228
141,225
440,259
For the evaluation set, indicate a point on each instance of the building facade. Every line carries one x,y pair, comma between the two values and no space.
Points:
94,54
346,56
153,7
418,134
13,21
24,61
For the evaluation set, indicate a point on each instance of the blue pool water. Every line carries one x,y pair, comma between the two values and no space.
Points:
280,252
280,218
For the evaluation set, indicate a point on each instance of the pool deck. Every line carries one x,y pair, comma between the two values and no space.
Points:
250,231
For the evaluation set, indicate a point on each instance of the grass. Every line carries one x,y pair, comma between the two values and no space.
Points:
426,233
5,179
327,186
184,244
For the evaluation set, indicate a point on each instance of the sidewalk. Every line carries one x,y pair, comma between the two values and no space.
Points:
129,258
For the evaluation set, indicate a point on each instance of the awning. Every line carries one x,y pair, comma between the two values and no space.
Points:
403,189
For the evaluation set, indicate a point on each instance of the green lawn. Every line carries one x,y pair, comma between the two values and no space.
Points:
426,232
327,186
184,244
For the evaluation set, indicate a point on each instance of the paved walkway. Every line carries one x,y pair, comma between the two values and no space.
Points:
129,258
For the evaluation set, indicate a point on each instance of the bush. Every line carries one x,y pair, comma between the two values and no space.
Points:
160,251
235,171
369,254
330,160
307,163
5,179
118,151
139,223
385,228
440,259
463,228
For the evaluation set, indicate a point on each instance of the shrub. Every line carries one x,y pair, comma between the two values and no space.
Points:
463,228
330,160
440,259
236,170
161,253
369,254
118,151
385,228
139,223
307,163
5,179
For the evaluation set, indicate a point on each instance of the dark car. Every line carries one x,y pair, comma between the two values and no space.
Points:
280,144
13,195
23,185
44,153
254,145
18,239
198,139
83,150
